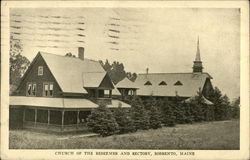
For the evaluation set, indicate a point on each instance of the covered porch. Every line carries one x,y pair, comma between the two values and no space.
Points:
53,114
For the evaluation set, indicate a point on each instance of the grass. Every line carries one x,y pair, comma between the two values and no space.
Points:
222,135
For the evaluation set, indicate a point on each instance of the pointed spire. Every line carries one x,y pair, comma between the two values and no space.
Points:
198,57
197,67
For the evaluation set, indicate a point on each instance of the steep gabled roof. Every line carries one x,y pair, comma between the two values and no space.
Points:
69,72
126,83
191,84
93,79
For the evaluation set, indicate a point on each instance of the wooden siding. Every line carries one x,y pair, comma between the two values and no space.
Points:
207,88
106,83
32,76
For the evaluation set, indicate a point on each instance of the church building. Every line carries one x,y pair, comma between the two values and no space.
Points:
170,85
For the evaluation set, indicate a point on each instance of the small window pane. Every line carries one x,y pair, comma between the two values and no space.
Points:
40,70
34,89
46,87
51,87
29,89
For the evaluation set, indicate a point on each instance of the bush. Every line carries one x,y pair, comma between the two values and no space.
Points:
124,120
139,114
167,117
154,117
102,121
154,113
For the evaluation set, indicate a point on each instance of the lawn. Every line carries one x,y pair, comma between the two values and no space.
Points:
201,136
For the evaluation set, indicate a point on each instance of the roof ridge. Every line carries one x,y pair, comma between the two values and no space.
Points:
42,52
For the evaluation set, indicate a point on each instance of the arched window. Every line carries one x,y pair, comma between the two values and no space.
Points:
148,83
163,83
178,83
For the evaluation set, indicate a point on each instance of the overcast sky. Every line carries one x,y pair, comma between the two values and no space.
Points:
162,39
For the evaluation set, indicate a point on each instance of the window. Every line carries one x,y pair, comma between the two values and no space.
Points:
31,89
40,70
178,83
148,83
162,83
48,89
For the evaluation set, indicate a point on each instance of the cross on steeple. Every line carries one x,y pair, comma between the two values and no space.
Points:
197,67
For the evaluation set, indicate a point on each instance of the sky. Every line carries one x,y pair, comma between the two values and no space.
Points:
161,39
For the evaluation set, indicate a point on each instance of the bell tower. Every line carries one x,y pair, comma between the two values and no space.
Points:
197,67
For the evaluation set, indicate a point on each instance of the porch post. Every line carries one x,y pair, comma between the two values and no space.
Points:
97,94
35,116
48,117
110,93
62,119
24,115
78,120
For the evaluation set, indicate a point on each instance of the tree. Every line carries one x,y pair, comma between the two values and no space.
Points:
236,108
198,107
102,121
18,63
168,117
139,114
124,120
221,104
117,71
154,113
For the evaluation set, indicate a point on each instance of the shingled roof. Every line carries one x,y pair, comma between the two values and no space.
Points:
126,83
72,74
189,84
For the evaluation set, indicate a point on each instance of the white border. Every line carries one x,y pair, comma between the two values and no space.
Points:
243,153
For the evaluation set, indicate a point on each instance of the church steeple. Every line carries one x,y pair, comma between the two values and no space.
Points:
197,67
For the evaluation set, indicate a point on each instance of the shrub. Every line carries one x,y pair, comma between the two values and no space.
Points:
154,117
139,114
167,117
102,121
124,120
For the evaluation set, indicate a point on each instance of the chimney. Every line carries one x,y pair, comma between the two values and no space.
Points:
147,72
81,53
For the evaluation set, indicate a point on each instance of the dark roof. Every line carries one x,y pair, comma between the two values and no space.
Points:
191,82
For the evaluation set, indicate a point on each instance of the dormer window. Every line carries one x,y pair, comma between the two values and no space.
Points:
163,83
148,83
178,83
40,70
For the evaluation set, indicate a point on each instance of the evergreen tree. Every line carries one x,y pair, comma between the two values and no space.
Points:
221,105
102,121
154,112
236,108
124,120
188,113
197,105
139,114
168,117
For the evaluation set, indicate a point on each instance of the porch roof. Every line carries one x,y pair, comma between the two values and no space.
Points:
59,102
